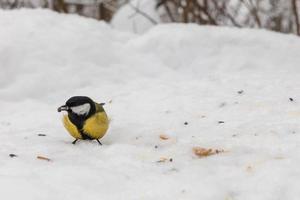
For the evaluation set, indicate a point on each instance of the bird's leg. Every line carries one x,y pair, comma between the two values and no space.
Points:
99,142
74,141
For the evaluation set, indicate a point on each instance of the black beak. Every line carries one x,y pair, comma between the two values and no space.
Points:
63,108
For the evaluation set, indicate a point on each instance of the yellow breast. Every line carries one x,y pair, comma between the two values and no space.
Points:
71,128
95,126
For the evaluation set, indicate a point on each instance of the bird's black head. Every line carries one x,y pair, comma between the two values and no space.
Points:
80,106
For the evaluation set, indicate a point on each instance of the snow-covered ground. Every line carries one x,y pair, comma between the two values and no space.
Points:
154,82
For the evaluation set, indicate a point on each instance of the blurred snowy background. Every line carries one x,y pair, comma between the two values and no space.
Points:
139,15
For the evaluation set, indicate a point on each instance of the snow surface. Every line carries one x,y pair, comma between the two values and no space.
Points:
155,83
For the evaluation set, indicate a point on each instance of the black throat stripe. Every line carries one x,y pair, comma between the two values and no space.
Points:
79,122
84,135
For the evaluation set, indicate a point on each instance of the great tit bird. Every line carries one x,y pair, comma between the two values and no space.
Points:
86,119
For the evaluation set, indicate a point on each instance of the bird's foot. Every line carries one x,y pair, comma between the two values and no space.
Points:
99,142
74,142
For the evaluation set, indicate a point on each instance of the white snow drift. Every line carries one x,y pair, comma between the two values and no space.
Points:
155,82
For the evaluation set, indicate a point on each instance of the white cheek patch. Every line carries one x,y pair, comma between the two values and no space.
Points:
82,109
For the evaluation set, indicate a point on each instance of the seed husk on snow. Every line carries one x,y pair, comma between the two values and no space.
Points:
43,158
240,91
222,104
12,155
163,137
204,152
164,159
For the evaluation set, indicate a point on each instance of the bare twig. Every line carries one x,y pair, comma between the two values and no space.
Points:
296,14
253,10
138,11
60,6
169,12
205,10
224,11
